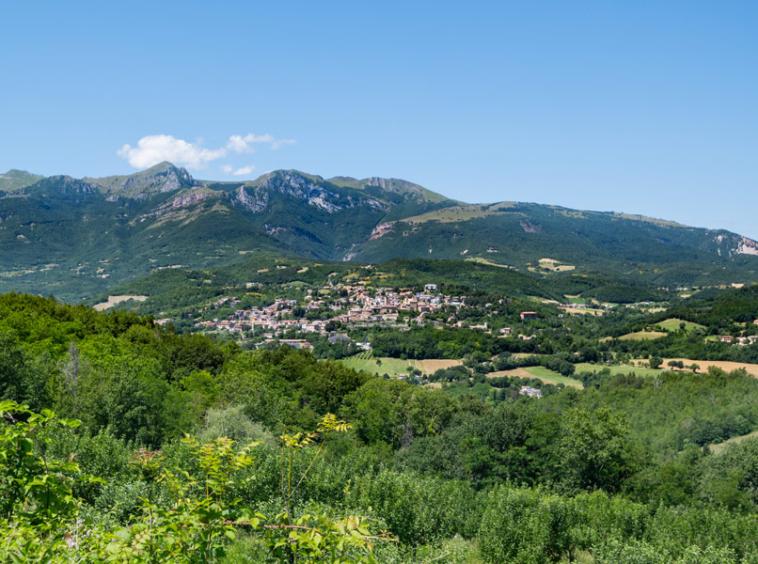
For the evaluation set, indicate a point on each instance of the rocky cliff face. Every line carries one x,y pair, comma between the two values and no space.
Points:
318,192
250,198
60,186
140,221
160,179
166,181
141,186
747,247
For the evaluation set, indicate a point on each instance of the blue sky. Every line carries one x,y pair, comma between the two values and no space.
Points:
643,107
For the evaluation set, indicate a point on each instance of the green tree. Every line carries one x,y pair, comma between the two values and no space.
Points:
597,450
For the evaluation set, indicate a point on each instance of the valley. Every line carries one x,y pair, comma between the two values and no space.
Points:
472,380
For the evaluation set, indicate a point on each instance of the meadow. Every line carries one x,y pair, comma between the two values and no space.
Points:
539,372
393,367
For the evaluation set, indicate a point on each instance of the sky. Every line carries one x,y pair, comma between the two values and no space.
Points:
640,106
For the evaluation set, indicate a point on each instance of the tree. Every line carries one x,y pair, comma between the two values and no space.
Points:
655,362
597,450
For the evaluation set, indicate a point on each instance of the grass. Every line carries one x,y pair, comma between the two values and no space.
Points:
725,365
554,265
390,366
642,336
719,448
540,373
672,325
394,366
550,377
618,369
582,311
459,213
487,262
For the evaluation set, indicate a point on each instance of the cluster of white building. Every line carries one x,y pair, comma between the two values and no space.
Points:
354,306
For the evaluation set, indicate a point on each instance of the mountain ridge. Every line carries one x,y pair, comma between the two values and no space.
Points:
99,231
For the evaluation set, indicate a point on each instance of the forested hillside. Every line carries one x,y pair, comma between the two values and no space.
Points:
77,238
123,441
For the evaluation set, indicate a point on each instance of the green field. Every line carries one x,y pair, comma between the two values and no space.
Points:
541,373
642,336
617,369
672,325
393,366
551,377
390,366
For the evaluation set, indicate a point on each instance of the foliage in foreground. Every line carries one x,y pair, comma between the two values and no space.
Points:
187,515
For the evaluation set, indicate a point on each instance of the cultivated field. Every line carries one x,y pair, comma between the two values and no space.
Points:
642,336
620,368
582,311
555,265
115,300
394,366
672,325
539,372
727,366
487,262
640,366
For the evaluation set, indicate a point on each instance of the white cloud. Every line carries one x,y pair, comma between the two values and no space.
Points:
240,144
154,149
280,142
244,170
227,169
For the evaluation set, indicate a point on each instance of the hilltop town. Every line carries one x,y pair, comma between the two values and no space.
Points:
325,308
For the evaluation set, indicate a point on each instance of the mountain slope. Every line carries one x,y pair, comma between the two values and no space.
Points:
163,177
16,179
524,235
79,237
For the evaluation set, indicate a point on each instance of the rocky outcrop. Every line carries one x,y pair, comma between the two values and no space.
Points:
250,198
183,200
381,230
65,185
747,247
189,199
314,192
169,180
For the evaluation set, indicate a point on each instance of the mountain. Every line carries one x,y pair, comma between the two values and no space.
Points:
161,178
76,238
17,179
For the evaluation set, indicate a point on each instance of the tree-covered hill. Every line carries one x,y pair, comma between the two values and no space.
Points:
293,459
76,238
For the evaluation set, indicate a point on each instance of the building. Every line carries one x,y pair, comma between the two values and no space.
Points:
528,315
529,391
296,343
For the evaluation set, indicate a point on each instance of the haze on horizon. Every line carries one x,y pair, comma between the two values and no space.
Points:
645,108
